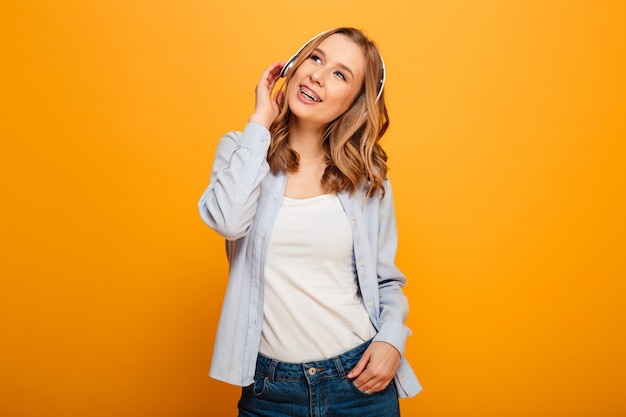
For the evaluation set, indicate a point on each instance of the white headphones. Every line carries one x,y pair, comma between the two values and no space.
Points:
292,60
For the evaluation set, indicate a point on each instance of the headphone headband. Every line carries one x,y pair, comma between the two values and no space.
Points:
292,60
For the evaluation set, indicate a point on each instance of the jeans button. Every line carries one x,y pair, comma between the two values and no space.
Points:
312,371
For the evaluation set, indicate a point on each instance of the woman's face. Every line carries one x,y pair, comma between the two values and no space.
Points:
327,82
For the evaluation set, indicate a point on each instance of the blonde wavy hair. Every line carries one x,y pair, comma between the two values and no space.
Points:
351,141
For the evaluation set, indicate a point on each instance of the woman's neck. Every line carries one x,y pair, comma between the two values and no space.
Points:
307,142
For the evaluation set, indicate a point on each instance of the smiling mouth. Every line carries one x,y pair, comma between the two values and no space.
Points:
309,94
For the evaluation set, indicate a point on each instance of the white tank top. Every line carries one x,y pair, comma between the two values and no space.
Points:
312,306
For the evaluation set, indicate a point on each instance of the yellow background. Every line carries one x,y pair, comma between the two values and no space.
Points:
507,158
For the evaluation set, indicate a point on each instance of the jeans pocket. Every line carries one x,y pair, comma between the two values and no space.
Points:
365,394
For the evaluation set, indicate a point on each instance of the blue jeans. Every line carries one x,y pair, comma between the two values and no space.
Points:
314,389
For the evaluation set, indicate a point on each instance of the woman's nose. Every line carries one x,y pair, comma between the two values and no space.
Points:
318,77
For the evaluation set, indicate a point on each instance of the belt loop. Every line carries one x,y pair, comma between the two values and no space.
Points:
272,369
340,371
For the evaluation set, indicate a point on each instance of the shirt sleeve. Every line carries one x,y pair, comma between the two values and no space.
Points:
394,306
230,201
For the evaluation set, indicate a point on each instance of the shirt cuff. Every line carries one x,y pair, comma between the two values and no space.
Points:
395,334
256,138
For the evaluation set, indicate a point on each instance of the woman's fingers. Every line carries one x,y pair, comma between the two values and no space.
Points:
270,77
266,109
377,367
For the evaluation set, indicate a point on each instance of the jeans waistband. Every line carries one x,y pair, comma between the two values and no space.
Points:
337,366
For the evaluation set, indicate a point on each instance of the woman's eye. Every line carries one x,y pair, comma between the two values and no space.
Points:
340,75
316,58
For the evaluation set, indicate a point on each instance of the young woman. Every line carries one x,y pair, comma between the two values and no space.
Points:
313,322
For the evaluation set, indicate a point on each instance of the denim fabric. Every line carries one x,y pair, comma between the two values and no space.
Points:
314,389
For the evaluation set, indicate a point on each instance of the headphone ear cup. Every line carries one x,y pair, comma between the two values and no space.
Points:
288,65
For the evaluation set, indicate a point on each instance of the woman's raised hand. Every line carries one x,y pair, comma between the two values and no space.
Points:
266,109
